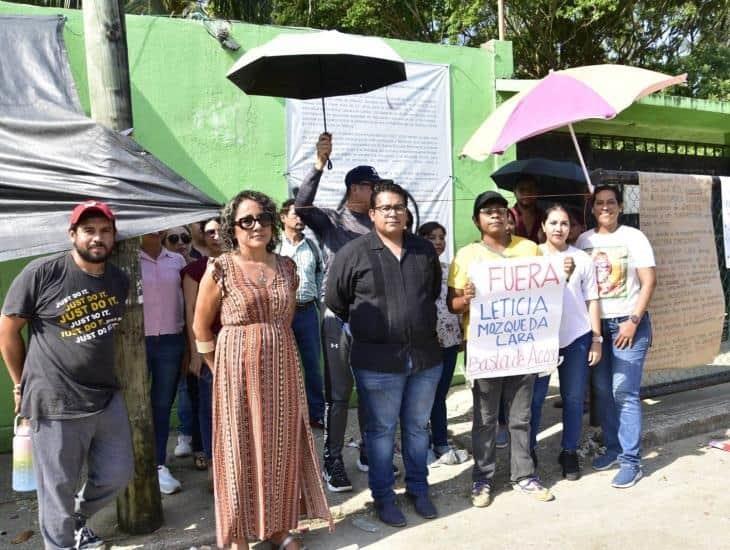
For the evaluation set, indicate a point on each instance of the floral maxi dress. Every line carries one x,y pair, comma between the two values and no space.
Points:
264,461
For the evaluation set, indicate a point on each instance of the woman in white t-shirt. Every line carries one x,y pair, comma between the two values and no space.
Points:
626,278
580,339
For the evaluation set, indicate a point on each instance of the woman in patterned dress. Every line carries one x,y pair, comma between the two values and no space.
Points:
264,461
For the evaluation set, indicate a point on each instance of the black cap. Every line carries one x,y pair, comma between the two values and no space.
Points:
486,197
362,173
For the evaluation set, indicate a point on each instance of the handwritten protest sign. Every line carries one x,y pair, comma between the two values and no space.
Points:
688,306
514,319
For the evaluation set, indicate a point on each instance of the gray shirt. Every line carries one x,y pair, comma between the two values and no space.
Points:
333,228
69,366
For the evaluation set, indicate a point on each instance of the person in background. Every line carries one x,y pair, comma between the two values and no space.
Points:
306,255
511,223
264,460
626,330
179,240
448,331
65,379
579,339
164,340
334,228
525,211
577,225
199,375
199,247
489,215
385,285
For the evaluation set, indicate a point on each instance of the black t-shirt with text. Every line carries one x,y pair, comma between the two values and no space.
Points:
69,366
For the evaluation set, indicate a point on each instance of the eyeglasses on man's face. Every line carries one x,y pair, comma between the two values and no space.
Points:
174,238
397,209
265,219
494,211
211,233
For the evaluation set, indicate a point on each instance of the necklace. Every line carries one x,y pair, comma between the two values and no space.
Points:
262,277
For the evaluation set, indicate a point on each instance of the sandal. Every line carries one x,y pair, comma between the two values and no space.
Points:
200,461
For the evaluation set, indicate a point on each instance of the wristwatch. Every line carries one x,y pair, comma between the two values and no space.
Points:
598,339
635,319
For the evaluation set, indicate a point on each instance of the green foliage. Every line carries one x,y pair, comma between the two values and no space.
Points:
666,35
671,36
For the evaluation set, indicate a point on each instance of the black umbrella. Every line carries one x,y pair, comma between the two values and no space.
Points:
552,177
322,64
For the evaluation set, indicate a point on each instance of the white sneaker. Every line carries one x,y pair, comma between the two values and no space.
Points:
184,446
168,484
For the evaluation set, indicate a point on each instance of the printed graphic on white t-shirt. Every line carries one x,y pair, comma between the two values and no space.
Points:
611,264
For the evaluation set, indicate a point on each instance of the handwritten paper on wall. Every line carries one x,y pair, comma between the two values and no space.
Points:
688,306
514,319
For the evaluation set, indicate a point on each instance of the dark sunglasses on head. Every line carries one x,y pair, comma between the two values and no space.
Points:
184,237
265,219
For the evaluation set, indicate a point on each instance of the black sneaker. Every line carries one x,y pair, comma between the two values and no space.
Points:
85,538
364,466
335,477
571,467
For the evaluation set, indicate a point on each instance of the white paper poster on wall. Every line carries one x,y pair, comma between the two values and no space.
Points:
725,193
403,130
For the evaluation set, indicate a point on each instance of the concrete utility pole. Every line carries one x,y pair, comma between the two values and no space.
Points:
500,18
139,507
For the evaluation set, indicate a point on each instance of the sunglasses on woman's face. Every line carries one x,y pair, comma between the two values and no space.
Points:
265,219
174,238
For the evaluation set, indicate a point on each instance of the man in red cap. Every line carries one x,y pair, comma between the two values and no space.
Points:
65,380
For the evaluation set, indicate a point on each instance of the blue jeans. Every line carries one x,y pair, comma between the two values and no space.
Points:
573,373
164,359
439,433
306,332
617,380
184,407
388,397
205,409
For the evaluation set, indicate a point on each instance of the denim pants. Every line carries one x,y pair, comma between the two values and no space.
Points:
517,394
388,397
439,433
199,392
573,373
185,408
205,410
617,380
306,332
164,359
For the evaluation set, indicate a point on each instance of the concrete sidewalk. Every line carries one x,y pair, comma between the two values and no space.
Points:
684,481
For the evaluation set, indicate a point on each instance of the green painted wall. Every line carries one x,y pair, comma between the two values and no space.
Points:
192,118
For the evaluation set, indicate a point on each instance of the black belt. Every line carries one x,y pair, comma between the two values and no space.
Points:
305,305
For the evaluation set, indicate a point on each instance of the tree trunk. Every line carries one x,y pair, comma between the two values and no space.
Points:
139,507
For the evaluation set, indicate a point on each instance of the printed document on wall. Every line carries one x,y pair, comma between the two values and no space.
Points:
403,130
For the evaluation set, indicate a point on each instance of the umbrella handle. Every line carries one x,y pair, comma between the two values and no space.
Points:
324,118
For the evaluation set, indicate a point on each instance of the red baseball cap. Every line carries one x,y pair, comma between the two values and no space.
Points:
91,206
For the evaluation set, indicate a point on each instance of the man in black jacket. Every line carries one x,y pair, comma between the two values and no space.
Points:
385,284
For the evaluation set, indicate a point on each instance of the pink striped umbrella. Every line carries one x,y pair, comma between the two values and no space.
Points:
562,98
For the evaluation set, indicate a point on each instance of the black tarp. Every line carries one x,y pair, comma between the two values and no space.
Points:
52,156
